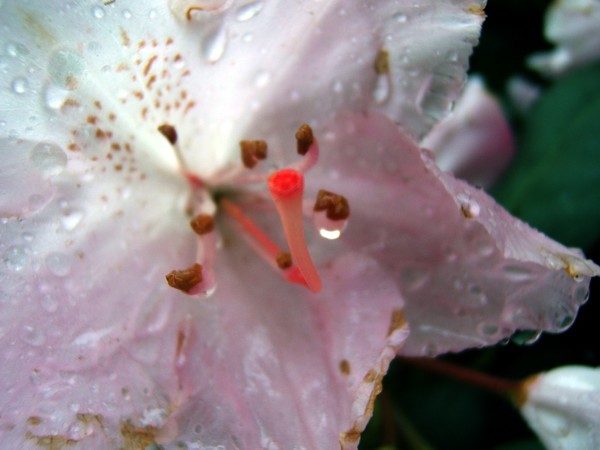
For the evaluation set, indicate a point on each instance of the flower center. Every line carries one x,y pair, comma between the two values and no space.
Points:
286,186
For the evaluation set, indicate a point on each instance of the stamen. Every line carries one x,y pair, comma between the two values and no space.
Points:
284,260
169,132
202,224
336,205
331,212
304,139
307,146
252,152
286,187
261,242
187,279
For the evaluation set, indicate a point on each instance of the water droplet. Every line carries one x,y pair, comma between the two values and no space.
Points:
581,294
126,14
401,18
383,89
154,417
15,49
198,429
294,96
49,158
33,336
248,11
328,234
152,14
16,257
54,96
71,219
468,206
20,85
98,12
27,237
262,79
526,337
214,44
65,68
247,37
49,303
58,263
337,87
518,274
488,329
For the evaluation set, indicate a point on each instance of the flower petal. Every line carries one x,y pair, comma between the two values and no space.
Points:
475,142
563,407
469,272
573,26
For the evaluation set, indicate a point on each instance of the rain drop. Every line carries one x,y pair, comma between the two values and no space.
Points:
414,278
468,206
54,96
49,303
20,85
401,18
97,12
58,263
213,45
16,257
248,11
71,219
126,14
518,274
382,90
33,336
152,14
262,79
526,337
247,37
337,87
487,329
65,68
49,158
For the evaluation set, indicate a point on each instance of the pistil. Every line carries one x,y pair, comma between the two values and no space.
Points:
287,187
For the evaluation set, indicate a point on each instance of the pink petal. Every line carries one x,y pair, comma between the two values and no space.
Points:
469,272
475,142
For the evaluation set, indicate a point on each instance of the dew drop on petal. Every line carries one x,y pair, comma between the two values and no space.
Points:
49,303
526,337
71,219
247,37
33,336
414,278
20,85
214,44
518,274
54,96
401,18
337,87
48,158
262,79
98,12
126,14
65,68
58,263
487,330
16,257
382,90
152,14
248,11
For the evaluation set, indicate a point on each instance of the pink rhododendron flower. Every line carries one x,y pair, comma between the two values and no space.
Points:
122,123
563,407
574,26
474,143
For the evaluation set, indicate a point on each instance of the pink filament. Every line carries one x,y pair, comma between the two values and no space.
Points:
287,187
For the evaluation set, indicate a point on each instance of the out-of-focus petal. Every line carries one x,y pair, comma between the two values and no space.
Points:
475,142
563,407
470,274
574,26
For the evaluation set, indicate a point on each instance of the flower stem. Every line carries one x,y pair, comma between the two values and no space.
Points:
502,386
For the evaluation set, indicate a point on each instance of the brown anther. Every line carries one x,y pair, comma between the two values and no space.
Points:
202,224
169,132
336,205
185,279
252,151
382,62
284,260
304,139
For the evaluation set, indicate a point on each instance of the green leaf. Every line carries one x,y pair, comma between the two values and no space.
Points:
554,184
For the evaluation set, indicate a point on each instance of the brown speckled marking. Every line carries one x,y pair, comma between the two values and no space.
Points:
345,367
382,62
283,260
125,38
34,420
202,224
51,442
